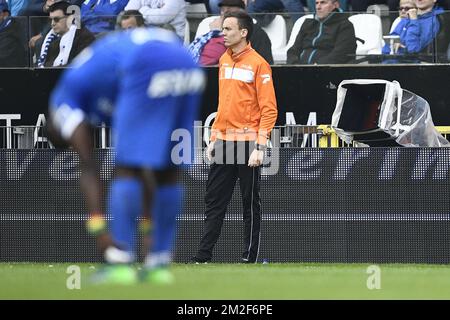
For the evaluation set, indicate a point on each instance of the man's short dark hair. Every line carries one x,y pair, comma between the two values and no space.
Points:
244,21
125,15
60,5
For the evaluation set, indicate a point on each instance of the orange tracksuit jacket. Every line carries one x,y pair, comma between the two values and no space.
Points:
247,105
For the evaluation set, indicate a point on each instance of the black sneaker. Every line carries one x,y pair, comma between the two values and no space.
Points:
195,260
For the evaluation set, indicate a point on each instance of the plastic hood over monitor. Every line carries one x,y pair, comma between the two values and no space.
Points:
381,113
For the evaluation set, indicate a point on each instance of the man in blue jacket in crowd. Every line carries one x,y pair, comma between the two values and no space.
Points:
418,30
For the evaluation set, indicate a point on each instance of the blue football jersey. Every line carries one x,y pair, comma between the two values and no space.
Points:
143,82
88,89
158,103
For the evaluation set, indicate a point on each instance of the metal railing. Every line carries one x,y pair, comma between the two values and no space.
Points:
36,137
288,136
333,141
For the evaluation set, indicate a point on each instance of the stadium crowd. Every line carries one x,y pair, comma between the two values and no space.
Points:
42,33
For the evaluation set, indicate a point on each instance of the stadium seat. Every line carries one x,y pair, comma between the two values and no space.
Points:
203,27
280,54
381,10
394,24
391,29
276,30
367,28
378,9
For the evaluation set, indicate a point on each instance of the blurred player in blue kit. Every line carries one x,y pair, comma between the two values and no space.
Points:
145,84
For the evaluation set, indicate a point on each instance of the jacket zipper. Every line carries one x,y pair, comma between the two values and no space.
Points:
318,36
231,78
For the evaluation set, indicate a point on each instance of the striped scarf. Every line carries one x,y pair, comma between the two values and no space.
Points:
44,50
196,47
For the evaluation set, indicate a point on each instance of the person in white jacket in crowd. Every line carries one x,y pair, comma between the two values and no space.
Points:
160,12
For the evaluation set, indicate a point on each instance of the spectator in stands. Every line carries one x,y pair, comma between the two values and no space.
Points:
418,29
65,40
12,50
208,48
37,11
159,12
312,5
38,22
293,7
328,38
392,4
130,19
404,6
17,6
99,16
34,10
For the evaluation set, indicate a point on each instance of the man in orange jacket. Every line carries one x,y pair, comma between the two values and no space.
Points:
246,114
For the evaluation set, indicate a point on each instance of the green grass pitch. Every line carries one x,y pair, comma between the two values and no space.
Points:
235,281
